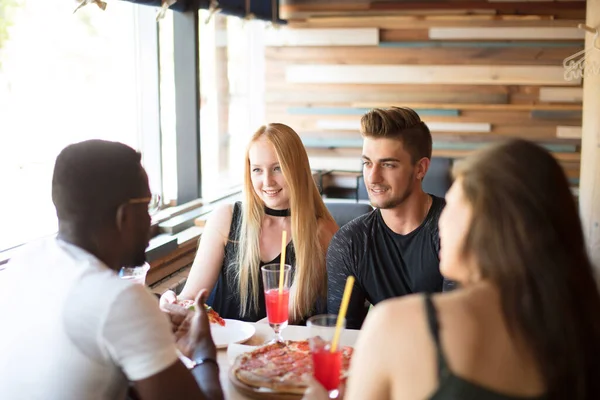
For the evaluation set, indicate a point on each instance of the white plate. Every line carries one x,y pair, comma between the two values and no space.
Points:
234,331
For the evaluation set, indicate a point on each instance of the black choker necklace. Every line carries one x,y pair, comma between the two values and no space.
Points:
277,213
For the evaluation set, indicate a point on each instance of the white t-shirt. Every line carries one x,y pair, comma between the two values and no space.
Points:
71,329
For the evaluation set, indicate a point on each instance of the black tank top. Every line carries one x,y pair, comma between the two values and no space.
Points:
450,386
224,297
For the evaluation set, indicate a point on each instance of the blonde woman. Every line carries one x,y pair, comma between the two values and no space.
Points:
279,194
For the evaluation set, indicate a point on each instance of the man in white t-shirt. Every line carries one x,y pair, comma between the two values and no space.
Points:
71,328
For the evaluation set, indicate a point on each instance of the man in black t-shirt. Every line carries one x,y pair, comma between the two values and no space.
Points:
392,251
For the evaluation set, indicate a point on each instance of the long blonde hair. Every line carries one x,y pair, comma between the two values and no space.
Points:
306,206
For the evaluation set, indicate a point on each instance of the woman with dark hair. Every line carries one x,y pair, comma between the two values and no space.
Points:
526,323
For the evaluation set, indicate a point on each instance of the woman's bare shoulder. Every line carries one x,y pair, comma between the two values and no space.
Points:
406,322
220,219
404,311
395,337
222,211
399,332
223,208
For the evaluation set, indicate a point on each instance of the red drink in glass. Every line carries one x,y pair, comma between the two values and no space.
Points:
274,278
277,305
327,367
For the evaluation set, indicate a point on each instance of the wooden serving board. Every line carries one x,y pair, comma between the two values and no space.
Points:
259,394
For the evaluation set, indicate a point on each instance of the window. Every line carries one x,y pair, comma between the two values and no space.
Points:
232,71
64,78
167,107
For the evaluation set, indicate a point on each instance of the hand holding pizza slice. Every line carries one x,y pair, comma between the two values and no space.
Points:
213,316
193,335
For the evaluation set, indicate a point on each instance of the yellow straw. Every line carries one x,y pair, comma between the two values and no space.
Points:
342,313
282,263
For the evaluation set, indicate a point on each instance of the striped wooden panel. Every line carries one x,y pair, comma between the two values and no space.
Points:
537,7
361,111
280,56
433,126
437,145
479,45
568,132
449,153
291,9
507,33
354,136
348,94
338,125
322,37
503,117
556,115
349,159
495,107
429,21
562,94
534,133
278,83
396,35
526,1
450,74
492,115
301,15
329,143
355,153
572,169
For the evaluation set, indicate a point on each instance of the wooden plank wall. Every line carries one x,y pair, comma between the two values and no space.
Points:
476,71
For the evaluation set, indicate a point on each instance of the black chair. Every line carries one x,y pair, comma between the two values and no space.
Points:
438,178
344,212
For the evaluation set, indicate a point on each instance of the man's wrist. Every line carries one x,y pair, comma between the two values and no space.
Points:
196,361
203,361
201,352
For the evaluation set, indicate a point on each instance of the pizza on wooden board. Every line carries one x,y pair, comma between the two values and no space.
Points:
282,367
213,316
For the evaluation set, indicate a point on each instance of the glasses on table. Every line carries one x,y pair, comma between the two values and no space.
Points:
277,296
327,366
135,274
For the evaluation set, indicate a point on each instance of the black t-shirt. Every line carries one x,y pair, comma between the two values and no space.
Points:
384,263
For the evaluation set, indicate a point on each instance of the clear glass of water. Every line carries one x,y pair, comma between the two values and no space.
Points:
135,274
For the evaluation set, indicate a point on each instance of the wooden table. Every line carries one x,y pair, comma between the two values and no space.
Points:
265,333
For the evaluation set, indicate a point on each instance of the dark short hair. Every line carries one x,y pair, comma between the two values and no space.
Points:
401,123
92,178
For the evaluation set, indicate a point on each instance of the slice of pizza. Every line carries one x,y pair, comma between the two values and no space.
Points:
213,316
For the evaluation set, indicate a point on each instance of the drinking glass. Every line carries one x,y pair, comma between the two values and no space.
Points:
327,366
277,298
135,274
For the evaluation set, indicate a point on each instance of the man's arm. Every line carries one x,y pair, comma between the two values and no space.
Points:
176,382
341,263
194,340
141,342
